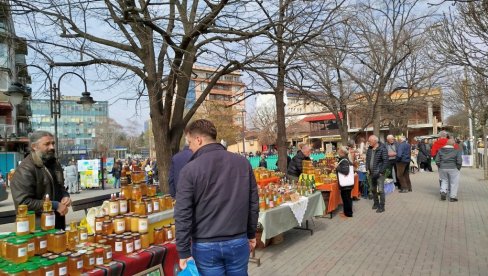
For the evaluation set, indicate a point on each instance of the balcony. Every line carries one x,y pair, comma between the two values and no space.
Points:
24,110
326,132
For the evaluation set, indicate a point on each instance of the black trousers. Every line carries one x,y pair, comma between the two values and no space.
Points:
347,201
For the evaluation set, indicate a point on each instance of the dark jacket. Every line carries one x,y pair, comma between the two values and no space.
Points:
216,199
404,152
295,167
343,168
380,160
449,158
424,154
178,161
116,172
263,163
33,180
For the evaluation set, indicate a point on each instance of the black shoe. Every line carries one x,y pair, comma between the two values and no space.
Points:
409,190
403,191
375,206
380,210
443,196
453,199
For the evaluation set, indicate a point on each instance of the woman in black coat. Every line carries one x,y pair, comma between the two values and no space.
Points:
343,167
423,157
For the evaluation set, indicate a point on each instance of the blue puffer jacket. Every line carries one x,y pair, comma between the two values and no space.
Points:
404,151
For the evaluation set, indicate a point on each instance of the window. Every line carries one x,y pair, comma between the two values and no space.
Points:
4,55
218,97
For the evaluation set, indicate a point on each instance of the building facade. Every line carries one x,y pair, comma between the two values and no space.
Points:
76,126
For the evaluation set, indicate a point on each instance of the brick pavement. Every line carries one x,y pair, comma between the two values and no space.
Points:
417,235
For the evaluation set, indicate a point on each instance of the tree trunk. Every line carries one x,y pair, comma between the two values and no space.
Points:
377,115
485,151
280,94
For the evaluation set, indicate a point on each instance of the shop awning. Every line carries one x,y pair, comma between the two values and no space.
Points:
325,117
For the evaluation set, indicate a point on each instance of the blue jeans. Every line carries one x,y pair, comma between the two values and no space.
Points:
117,183
222,258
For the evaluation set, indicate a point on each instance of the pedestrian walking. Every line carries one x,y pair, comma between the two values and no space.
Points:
217,206
376,164
392,145
71,180
423,157
449,161
116,171
403,159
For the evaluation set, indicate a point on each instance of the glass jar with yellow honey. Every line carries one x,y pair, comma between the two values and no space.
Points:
119,225
75,264
62,266
136,193
16,250
113,206
143,224
47,218
123,208
22,221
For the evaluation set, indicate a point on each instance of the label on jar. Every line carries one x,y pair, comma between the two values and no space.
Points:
114,208
170,235
119,247
137,244
42,244
109,255
91,261
129,247
149,208
142,225
83,236
49,273
50,220
63,270
99,261
22,226
98,226
120,226
21,252
156,206
30,246
79,264
123,207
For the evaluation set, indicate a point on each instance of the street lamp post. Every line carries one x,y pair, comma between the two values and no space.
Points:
243,111
16,93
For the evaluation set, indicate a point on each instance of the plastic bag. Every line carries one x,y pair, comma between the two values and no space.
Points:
389,186
190,269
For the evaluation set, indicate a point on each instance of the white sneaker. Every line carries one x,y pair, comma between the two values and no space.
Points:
421,170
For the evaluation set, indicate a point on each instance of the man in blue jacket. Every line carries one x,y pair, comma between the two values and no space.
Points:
178,161
217,206
404,152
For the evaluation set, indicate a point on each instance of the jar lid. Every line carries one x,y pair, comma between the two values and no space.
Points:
40,234
107,221
167,226
112,235
31,212
119,217
17,241
66,253
99,250
102,241
47,262
52,257
127,238
35,259
75,255
119,236
13,269
136,235
143,216
135,215
127,233
45,255
31,266
158,228
89,252
60,232
28,236
61,259
82,251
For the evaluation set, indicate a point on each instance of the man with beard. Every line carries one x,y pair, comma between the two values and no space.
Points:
40,174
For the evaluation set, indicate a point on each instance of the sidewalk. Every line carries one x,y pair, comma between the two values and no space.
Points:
417,235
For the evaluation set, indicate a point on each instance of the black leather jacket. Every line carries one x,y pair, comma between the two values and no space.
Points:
295,168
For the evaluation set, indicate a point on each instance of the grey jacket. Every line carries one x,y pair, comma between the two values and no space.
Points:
449,158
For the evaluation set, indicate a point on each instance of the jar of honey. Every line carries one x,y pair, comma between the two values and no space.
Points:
143,224
90,238
3,245
134,223
107,257
126,191
168,202
89,260
158,235
17,250
47,218
75,264
119,244
107,227
155,204
119,225
140,208
128,244
98,253
151,190
22,221
62,265
32,269
162,203
49,267
136,193
40,243
168,234
143,189
111,240
14,271
149,206
173,229
82,234
32,221
59,242
127,221
31,245
123,205
99,223
145,240
113,209
137,241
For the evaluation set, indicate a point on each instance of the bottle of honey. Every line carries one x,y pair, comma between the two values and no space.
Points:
47,217
22,221
113,206
72,236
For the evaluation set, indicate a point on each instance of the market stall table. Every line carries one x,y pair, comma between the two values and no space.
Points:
332,194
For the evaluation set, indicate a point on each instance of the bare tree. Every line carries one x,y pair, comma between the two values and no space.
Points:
264,121
223,117
151,44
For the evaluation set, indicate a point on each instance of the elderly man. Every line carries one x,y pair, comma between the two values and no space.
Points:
295,168
376,163
392,146
403,161
217,205
39,174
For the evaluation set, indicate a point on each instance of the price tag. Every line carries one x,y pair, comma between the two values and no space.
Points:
43,244
118,247
49,273
99,261
83,236
79,264
22,226
63,271
98,226
22,252
129,248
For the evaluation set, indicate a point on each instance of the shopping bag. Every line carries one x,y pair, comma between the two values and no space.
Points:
389,186
190,269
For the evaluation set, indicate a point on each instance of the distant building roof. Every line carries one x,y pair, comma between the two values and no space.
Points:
324,117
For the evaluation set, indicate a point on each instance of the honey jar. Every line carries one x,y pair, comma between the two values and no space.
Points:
32,269
90,238
149,206
107,257
134,223
168,234
82,234
140,208
162,203
47,218
155,204
119,244
137,241
107,227
168,202
89,260
126,191
98,253
75,264
99,223
22,221
59,242
142,224
145,240
128,244
113,206
119,225
40,243
136,193
49,267
158,235
62,265
17,250
31,245
127,221
173,229
111,240
32,221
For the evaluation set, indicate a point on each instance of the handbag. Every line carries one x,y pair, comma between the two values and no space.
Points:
346,180
190,269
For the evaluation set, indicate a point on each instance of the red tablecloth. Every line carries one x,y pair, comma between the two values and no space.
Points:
334,197
355,189
129,265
